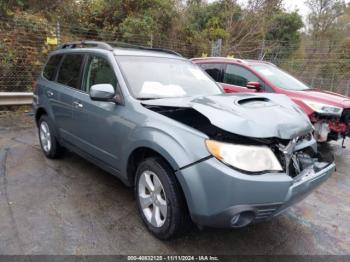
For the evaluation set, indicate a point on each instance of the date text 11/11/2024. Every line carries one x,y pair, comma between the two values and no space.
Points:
173,258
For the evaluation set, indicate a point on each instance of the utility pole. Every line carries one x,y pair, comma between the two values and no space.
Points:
332,84
58,32
216,47
151,40
262,50
263,31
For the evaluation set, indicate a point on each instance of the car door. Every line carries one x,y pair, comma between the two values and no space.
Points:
49,91
96,123
64,87
236,77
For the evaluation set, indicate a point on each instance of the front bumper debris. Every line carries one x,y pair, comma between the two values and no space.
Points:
328,127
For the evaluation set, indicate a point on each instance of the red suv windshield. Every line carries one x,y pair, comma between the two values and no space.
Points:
280,78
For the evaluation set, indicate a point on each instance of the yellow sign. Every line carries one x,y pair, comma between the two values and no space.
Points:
51,40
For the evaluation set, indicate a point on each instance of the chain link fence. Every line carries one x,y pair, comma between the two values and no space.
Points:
24,47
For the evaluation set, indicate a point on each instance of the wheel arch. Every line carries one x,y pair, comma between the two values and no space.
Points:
142,152
176,147
39,112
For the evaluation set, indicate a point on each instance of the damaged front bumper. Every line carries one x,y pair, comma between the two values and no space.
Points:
219,196
327,128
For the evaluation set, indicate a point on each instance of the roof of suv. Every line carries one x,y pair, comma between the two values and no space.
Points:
138,52
123,49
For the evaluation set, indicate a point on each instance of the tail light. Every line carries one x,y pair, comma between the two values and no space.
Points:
34,85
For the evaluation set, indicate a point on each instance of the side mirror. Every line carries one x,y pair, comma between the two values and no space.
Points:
254,85
102,92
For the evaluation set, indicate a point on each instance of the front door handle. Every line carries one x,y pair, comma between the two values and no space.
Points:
77,104
49,93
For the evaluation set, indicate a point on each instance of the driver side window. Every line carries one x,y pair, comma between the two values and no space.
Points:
99,71
238,76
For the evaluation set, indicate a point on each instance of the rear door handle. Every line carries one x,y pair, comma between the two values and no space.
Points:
77,104
49,93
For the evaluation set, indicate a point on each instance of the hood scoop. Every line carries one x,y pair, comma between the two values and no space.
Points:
255,102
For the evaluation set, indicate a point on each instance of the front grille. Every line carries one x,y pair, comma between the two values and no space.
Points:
345,117
296,155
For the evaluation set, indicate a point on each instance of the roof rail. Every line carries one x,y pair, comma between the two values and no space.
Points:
127,45
83,43
107,46
168,51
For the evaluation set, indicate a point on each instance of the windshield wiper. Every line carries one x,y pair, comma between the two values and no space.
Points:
147,98
309,89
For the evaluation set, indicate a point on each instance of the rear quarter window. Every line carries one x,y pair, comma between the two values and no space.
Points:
51,67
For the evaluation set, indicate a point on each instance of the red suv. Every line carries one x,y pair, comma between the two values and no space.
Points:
329,112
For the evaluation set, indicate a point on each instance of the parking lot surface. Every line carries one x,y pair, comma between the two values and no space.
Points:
69,206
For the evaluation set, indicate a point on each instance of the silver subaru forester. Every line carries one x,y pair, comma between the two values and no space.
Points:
164,127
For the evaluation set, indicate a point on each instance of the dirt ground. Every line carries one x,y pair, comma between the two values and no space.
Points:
69,206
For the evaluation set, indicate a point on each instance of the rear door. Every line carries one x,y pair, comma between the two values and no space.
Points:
47,90
66,86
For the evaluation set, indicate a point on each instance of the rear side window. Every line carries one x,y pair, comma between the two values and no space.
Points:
51,66
69,73
214,70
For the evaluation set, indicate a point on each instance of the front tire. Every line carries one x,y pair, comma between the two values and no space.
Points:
160,200
47,138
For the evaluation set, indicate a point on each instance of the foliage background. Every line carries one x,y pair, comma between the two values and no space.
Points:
317,52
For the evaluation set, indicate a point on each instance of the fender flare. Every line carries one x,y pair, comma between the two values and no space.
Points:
169,147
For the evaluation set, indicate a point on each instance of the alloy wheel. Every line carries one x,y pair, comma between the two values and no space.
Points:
152,198
45,137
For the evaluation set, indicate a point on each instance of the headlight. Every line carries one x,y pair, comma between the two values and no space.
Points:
247,158
324,108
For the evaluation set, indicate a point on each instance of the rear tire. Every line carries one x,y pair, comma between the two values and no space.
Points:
47,137
160,200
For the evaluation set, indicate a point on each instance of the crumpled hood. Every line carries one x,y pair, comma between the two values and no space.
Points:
252,115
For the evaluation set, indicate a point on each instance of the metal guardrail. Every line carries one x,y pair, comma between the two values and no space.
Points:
15,98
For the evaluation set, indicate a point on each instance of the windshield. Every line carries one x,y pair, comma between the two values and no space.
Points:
280,78
154,77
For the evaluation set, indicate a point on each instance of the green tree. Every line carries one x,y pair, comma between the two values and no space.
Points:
130,18
343,58
284,32
323,17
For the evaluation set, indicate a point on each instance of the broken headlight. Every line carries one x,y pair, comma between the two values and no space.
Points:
245,157
324,108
